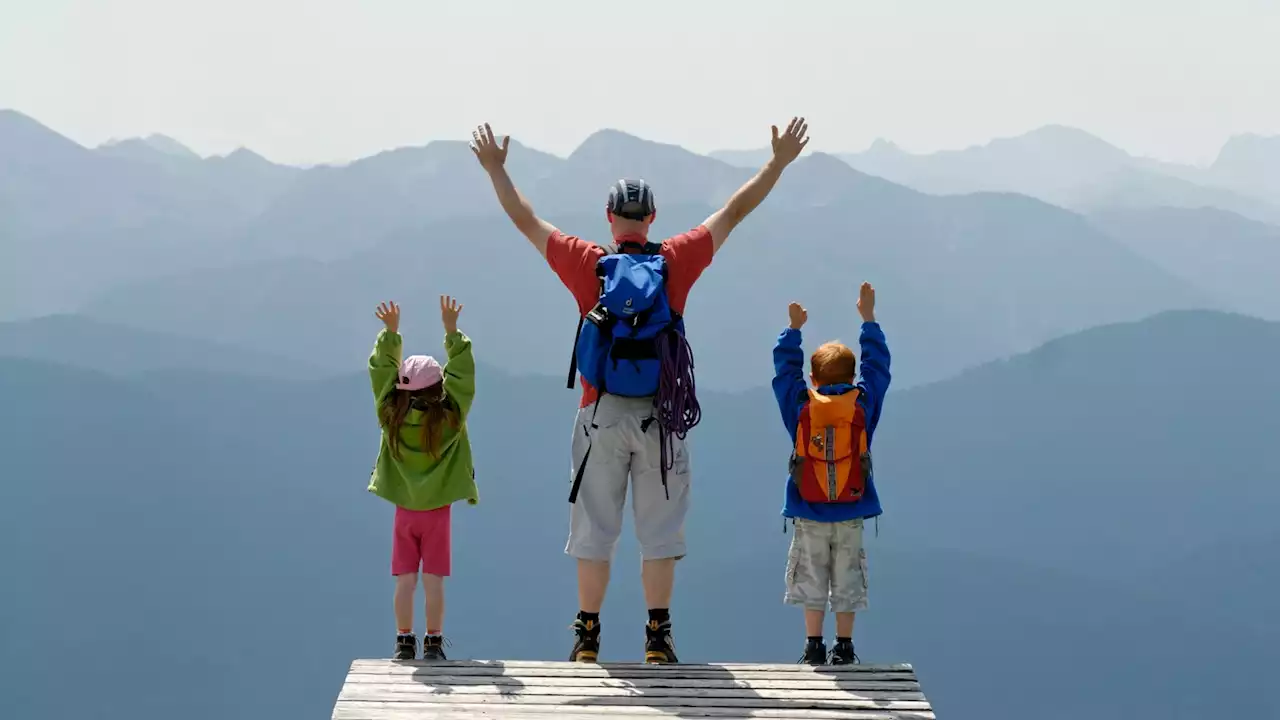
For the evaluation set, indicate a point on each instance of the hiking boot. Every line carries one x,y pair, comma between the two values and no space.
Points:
815,653
433,648
406,647
842,653
586,648
659,648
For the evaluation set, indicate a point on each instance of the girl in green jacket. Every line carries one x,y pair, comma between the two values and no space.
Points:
424,464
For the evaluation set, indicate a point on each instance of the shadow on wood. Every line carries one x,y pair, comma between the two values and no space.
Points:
458,690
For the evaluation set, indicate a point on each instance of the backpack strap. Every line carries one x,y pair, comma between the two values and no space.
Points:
610,249
582,467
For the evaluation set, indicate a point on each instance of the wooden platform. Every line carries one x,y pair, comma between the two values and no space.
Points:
401,690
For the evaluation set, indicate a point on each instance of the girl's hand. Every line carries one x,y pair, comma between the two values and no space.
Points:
449,310
389,314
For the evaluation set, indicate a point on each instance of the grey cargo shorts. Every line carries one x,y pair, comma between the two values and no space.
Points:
621,450
827,564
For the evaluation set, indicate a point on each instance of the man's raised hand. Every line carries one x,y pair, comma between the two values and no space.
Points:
799,316
867,302
787,146
449,310
487,150
389,314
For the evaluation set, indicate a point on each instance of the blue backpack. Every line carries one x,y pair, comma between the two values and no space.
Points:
632,344
617,345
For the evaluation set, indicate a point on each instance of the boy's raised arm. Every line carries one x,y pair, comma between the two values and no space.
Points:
789,386
786,148
460,370
493,158
875,350
384,361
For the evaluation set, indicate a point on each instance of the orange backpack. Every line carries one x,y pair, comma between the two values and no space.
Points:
831,462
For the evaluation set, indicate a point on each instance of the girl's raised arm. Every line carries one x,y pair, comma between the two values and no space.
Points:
384,362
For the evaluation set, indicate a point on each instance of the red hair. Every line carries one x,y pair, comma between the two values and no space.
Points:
833,363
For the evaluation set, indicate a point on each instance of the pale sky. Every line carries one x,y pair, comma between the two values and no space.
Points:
330,80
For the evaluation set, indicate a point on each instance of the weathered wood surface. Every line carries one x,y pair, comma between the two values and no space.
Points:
461,690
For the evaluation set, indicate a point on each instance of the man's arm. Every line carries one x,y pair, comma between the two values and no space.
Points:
520,211
786,148
493,157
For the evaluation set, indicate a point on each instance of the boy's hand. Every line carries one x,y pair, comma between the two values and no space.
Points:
798,315
867,302
389,314
486,148
449,309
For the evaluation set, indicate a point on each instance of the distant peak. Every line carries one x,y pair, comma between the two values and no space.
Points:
23,132
881,146
245,156
169,146
155,143
610,140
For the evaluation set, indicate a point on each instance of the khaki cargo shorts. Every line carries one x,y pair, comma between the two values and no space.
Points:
827,565
623,448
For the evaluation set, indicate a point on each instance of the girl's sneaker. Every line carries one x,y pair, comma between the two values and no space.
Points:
406,647
433,647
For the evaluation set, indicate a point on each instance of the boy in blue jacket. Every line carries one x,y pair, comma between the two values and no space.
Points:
831,490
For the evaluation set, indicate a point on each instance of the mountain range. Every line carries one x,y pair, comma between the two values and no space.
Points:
1090,522
1071,168
286,261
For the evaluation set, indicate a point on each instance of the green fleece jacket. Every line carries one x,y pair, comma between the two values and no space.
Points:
416,481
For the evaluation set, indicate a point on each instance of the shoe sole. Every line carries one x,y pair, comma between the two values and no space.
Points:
586,656
658,658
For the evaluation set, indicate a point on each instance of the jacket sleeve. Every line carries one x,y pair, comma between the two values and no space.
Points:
875,369
789,386
460,371
384,363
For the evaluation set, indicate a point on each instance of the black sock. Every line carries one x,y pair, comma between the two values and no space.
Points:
593,619
659,615
844,640
815,638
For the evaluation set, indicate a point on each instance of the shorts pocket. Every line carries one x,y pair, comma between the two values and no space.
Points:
862,566
793,563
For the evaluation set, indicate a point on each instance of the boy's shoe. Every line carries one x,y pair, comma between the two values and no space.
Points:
406,647
433,647
586,648
842,654
815,653
659,648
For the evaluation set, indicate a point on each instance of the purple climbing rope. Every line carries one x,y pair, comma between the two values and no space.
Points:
676,403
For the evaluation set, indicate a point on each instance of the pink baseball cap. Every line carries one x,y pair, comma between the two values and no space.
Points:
418,372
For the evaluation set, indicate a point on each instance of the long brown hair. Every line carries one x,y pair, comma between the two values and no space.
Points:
439,409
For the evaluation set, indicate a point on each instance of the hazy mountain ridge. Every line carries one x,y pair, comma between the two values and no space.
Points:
331,240
1018,258
1070,167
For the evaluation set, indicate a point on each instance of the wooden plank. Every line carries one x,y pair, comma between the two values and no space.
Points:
677,697
392,668
375,710
769,683
679,668
605,691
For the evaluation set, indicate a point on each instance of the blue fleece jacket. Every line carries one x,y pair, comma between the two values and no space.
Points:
791,389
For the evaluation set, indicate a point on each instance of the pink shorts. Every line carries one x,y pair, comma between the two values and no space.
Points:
421,539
